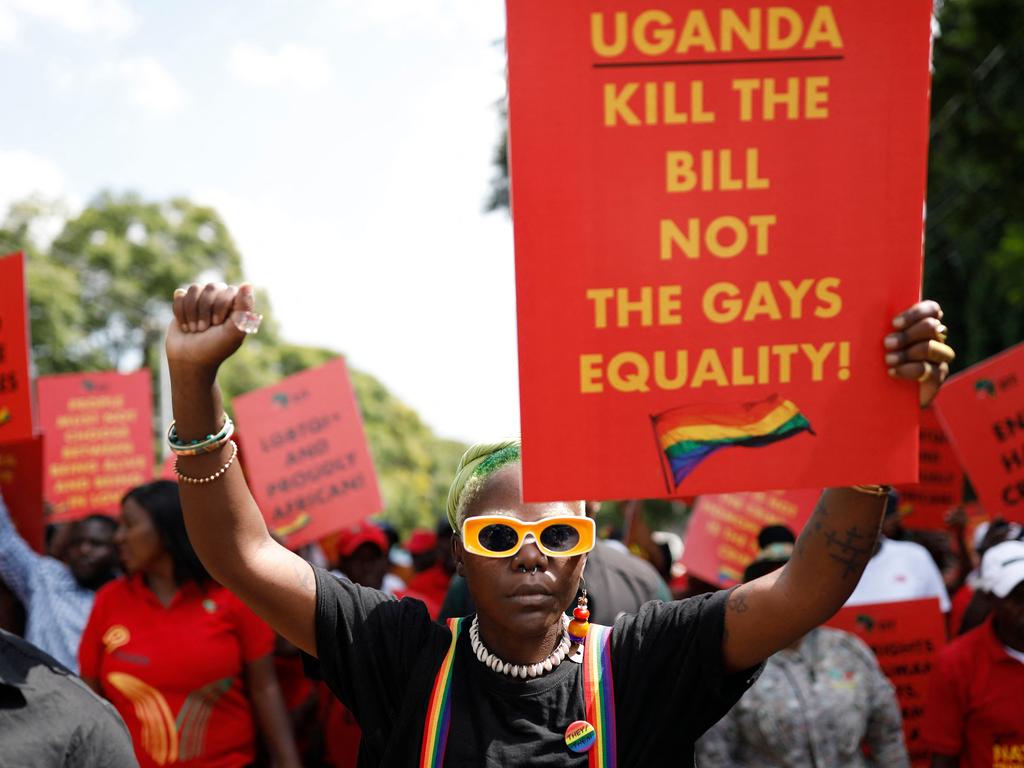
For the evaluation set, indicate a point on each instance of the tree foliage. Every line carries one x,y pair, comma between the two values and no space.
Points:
99,299
975,227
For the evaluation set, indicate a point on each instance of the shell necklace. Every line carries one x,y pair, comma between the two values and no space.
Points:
521,671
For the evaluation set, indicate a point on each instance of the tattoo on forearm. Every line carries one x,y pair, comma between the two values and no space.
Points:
737,602
852,549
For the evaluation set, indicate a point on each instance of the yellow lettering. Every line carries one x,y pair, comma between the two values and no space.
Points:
656,41
817,357
709,368
597,38
827,291
616,104
778,17
823,29
670,304
721,304
796,294
636,378
696,33
762,302
590,373
661,376
731,26
600,297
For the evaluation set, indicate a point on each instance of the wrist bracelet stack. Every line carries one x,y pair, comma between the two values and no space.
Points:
208,444
201,480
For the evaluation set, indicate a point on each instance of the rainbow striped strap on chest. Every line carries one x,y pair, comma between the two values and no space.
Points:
599,695
439,708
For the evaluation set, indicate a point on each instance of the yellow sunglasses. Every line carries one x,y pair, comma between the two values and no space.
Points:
503,536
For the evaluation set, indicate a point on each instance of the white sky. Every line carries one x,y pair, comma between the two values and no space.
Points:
347,143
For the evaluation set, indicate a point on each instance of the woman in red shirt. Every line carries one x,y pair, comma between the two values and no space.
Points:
182,659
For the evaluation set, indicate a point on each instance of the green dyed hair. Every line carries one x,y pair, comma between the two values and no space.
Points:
476,465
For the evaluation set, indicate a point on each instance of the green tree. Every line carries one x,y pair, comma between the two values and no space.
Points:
99,299
975,227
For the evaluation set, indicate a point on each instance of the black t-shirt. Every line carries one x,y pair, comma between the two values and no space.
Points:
380,657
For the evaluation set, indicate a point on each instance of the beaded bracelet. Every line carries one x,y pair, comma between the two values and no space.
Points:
215,475
874,490
209,444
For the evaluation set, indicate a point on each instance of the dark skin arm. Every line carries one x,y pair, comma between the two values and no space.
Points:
770,613
271,713
224,524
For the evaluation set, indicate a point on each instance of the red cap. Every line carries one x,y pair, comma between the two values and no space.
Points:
357,534
420,541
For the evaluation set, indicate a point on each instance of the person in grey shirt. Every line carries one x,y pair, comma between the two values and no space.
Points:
816,703
58,597
50,719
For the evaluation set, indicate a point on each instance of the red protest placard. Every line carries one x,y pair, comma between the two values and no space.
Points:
982,411
307,461
21,483
721,539
905,636
717,210
15,390
99,440
924,504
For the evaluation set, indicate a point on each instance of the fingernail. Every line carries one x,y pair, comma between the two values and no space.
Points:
892,359
892,341
201,326
892,372
899,322
179,292
184,327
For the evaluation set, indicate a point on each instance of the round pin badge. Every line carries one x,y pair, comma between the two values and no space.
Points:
580,736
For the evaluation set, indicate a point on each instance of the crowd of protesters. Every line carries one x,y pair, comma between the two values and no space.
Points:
136,607
198,679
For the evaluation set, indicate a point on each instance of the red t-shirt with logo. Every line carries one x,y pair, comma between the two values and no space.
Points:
975,706
175,673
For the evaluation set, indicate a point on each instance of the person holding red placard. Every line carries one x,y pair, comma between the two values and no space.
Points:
975,712
182,659
58,596
501,687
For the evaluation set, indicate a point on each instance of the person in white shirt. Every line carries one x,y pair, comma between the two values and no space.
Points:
900,570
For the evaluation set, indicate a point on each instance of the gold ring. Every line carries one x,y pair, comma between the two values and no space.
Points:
939,352
926,373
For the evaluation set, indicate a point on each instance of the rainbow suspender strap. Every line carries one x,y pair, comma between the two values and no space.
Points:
599,695
598,692
439,709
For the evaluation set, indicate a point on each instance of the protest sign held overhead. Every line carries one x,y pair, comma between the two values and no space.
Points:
906,636
99,440
21,483
715,223
306,457
15,391
982,411
722,536
941,485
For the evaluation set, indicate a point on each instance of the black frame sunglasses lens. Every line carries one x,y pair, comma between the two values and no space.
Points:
559,537
498,537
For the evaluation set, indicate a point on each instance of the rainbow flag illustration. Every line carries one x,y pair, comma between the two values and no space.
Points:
689,434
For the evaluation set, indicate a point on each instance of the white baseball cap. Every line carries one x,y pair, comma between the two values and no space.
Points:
1002,568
